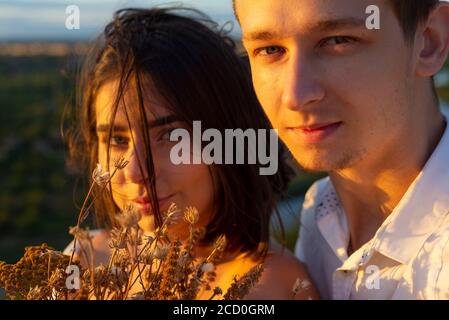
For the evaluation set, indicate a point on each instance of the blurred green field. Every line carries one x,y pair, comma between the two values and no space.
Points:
37,198
36,192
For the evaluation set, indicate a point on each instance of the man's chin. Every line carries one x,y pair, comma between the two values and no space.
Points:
322,163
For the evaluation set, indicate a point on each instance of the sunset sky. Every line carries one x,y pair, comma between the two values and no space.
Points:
45,19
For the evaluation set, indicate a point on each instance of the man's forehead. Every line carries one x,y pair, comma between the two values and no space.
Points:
288,17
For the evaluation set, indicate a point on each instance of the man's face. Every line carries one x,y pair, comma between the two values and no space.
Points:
337,92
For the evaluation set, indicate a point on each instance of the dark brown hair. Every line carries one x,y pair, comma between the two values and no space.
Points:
411,13
193,66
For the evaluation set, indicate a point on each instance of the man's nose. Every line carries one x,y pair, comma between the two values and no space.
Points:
301,83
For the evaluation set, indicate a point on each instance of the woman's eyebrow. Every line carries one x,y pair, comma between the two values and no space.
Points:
162,121
158,122
115,128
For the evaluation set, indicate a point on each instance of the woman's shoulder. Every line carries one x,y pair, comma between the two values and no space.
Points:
100,243
282,273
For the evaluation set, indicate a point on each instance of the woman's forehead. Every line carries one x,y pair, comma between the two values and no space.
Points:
106,98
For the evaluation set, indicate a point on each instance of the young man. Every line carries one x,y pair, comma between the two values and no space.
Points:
359,103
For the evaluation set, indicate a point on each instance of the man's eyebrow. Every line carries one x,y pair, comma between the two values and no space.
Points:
158,122
320,26
333,24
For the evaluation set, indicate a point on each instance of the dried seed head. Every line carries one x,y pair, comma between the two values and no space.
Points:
191,215
300,285
80,233
220,243
129,218
117,241
120,163
207,267
100,177
161,251
35,293
218,291
171,214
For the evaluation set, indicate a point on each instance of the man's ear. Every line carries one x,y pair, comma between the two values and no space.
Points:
433,38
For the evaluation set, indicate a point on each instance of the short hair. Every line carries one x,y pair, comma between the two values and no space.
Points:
410,14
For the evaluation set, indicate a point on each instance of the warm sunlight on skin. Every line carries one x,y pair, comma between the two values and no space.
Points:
315,63
185,185
353,102
190,185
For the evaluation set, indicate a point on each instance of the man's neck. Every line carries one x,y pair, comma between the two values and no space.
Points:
370,191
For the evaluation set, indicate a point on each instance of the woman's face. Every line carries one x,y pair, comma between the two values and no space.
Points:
185,185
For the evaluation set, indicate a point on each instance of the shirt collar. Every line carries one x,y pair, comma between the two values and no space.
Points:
420,210
331,221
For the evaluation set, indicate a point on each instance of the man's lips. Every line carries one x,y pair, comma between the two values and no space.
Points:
316,132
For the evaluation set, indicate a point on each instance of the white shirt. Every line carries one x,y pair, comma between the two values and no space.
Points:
408,258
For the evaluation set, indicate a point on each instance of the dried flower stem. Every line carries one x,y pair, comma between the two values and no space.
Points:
83,212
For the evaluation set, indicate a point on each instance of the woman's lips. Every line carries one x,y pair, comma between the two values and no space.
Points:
144,204
316,133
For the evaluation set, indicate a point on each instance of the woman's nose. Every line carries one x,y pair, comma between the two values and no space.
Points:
137,169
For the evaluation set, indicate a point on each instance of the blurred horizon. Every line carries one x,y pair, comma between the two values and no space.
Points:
44,20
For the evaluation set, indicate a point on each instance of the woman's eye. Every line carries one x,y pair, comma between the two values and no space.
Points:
119,141
268,51
165,135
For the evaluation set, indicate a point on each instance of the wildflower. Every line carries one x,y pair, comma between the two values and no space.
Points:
120,163
191,215
35,293
300,285
220,243
241,287
147,258
57,279
148,239
101,276
137,296
117,241
184,258
80,234
207,267
129,217
101,178
216,292
171,213
161,251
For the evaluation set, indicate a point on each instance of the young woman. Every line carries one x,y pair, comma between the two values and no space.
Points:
157,70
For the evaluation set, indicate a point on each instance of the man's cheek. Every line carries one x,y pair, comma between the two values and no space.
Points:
267,96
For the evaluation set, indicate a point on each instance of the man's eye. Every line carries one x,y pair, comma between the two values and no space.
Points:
338,40
268,51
